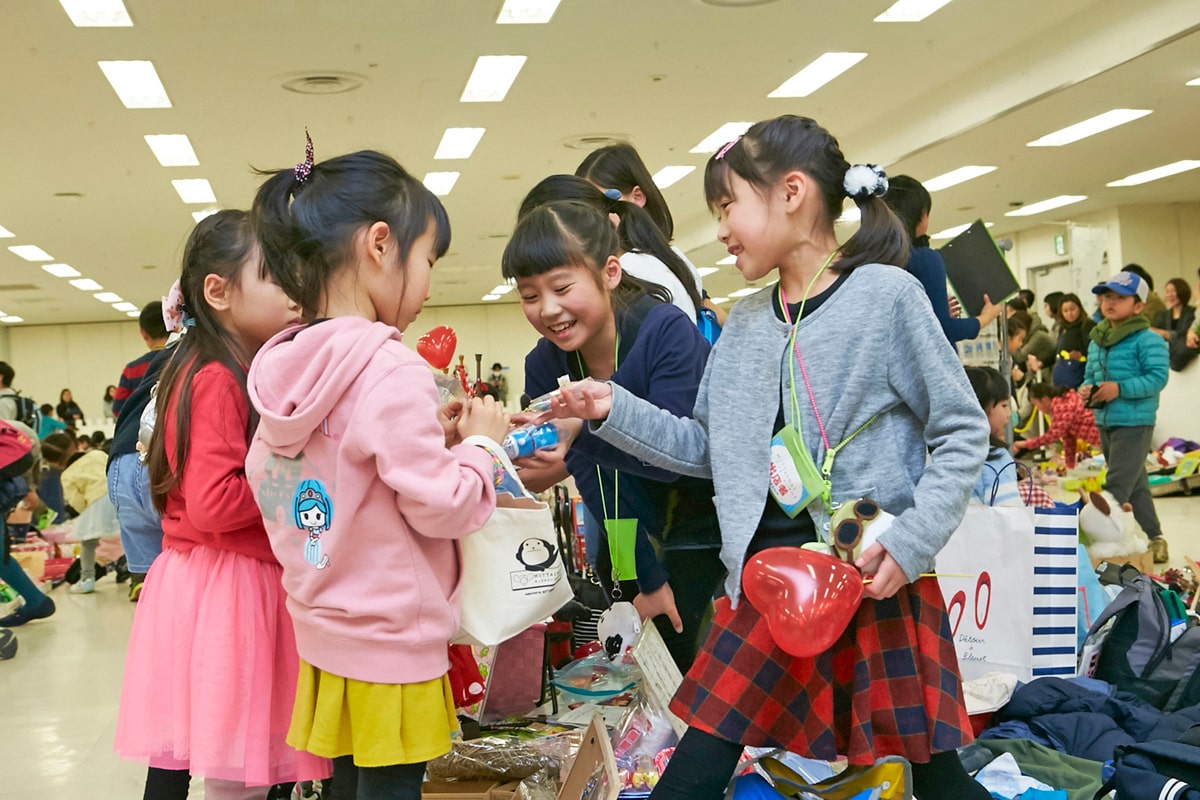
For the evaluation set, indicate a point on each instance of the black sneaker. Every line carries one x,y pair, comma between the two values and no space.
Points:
26,614
122,568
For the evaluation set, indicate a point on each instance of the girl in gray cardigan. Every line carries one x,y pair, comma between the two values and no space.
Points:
865,372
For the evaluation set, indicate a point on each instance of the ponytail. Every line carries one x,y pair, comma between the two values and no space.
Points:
879,239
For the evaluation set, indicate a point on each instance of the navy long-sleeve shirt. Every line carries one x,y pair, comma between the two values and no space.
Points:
927,266
661,358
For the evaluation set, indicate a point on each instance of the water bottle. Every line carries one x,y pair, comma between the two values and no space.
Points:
523,441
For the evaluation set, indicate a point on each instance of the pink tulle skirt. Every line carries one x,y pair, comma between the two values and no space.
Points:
210,675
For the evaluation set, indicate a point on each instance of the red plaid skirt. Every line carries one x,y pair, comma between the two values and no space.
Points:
889,686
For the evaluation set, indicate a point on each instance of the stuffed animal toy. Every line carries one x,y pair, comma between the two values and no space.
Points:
619,628
1109,527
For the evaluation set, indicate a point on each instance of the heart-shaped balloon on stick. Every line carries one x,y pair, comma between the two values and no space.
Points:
807,598
438,346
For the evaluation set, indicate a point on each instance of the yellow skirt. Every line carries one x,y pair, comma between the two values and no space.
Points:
380,724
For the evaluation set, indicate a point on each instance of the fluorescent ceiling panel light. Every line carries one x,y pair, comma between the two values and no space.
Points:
1164,171
718,300
955,177
820,72
1090,127
440,183
850,216
201,215
136,83
1046,205
97,13
503,288
172,149
490,297
12,319
950,233
727,260
108,297
86,285
124,306
5,233
749,290
910,10
133,313
526,12
491,79
31,252
1194,82
61,270
194,190
705,271
721,136
668,176
458,142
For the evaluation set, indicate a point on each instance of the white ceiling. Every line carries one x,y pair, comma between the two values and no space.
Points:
971,84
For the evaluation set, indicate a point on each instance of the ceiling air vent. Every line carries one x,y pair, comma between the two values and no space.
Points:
18,287
594,141
323,82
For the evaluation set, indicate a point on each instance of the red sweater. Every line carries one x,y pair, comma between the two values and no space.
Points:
1070,422
213,504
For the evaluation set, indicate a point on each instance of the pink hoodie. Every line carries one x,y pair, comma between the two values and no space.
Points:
362,501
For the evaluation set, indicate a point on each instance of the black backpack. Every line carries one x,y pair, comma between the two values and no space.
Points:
1135,652
28,413
1157,769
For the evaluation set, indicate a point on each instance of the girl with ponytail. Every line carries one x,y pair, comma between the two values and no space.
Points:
840,364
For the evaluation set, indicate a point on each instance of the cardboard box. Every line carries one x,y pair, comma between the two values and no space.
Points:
507,791
1143,561
458,790
595,753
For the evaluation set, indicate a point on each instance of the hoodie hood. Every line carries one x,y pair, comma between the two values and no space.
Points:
301,373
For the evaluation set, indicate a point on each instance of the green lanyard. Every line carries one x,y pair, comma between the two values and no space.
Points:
830,451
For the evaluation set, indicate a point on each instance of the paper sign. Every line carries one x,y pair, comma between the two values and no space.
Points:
660,676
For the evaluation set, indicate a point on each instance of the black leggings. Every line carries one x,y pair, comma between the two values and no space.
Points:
703,764
397,782
166,784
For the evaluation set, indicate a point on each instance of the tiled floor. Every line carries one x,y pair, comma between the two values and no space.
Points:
58,697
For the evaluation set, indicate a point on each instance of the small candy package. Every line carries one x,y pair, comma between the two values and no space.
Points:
640,739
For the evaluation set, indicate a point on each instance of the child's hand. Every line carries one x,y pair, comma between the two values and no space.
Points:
448,418
660,601
886,576
587,399
483,416
1085,392
544,458
1033,362
1105,392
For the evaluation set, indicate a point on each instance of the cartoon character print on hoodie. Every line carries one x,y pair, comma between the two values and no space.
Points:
312,511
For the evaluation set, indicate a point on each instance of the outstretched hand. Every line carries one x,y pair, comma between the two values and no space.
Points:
660,601
585,399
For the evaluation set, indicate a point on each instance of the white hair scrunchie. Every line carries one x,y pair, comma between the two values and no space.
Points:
865,180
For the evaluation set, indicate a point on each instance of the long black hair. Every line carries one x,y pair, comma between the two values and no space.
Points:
618,166
771,149
909,200
307,227
636,232
990,389
219,245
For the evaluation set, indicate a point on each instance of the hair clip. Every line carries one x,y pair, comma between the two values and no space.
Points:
304,168
725,149
865,180
612,194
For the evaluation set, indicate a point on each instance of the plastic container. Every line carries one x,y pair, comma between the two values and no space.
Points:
524,441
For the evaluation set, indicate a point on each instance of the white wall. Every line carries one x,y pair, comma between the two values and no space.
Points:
1165,239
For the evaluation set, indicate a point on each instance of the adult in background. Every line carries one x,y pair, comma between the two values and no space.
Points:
108,401
1030,300
1154,303
154,334
911,203
1174,323
69,411
8,395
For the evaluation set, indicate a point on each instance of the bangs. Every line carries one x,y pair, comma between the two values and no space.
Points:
425,210
538,245
735,160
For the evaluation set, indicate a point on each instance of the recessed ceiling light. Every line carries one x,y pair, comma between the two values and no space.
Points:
133,313
490,297
108,297
749,290
955,177
820,72
458,142
5,233
194,190
503,288
526,12
910,10
172,149
1046,205
721,136
950,233
668,176
199,215
718,300
97,13
61,270
1090,127
440,183
704,271
491,79
1155,174
123,306
136,83
86,285
12,319
31,252
727,260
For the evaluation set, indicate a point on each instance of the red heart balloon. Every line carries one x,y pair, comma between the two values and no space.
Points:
437,347
806,597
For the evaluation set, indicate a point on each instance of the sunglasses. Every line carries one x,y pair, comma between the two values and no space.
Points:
847,532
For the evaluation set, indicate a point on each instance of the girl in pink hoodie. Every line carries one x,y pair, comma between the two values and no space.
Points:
366,524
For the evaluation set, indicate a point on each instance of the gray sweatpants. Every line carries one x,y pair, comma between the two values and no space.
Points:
1125,451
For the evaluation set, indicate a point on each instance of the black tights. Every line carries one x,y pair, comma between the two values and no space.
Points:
166,784
702,765
397,782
